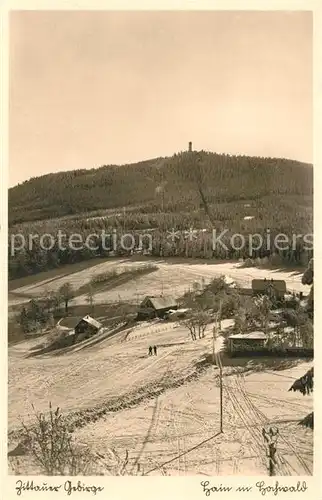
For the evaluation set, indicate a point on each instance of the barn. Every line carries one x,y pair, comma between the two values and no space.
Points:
86,327
275,289
156,307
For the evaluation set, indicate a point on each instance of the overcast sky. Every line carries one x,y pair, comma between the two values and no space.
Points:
94,88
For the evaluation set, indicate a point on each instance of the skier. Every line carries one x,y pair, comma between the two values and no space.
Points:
155,350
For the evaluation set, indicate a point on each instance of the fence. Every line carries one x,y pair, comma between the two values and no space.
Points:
159,329
288,352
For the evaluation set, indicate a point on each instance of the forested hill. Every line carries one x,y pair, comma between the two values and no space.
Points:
169,184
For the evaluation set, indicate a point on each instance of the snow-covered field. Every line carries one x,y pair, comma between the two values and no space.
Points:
182,418
170,278
171,422
176,422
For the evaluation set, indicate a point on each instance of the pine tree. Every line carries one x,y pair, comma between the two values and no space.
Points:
305,385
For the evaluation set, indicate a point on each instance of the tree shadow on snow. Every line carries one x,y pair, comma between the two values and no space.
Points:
257,364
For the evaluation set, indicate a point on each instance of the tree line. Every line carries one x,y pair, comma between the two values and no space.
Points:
27,261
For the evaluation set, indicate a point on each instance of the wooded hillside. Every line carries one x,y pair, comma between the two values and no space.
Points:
166,184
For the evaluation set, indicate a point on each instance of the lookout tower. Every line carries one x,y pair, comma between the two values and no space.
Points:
190,147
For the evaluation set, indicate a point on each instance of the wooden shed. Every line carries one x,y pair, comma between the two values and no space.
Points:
156,307
270,287
252,341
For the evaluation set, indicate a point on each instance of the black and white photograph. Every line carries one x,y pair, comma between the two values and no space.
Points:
160,245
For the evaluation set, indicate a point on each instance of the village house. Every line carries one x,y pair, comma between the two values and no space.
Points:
275,289
86,327
156,307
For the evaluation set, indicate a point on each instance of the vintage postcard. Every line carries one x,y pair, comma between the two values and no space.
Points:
158,284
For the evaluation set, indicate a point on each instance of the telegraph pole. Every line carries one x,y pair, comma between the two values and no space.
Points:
220,372
221,395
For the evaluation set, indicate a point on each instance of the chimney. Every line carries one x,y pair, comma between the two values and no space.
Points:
190,147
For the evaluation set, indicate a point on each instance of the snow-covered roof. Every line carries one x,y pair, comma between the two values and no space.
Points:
177,311
91,321
249,336
162,302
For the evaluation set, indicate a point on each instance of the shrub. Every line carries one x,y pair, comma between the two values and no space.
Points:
52,445
230,305
217,286
248,263
104,277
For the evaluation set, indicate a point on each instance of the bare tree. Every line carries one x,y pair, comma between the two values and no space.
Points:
263,306
240,321
52,301
196,323
90,297
66,293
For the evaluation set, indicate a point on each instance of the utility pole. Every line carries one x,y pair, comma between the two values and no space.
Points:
219,313
213,345
270,437
221,395
220,371
215,331
219,364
